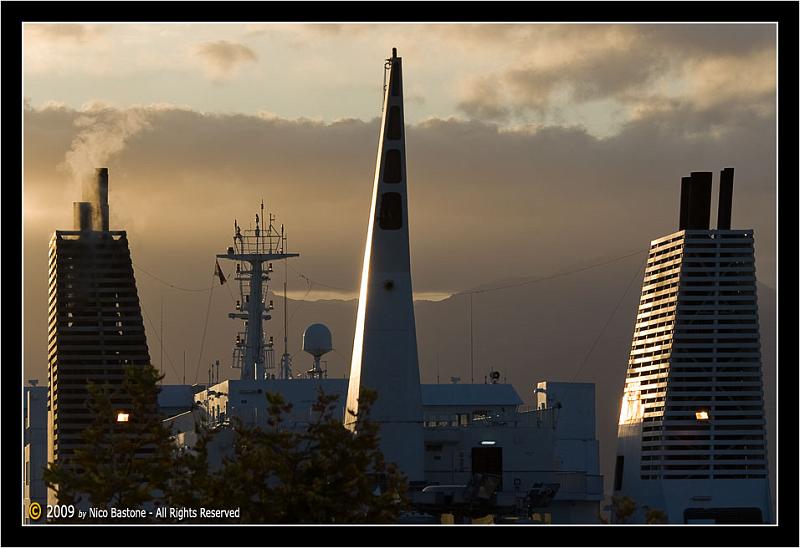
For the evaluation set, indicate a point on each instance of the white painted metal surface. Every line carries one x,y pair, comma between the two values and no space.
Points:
692,434
385,343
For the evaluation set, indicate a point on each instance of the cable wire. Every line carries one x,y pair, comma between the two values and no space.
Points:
608,321
205,327
557,275
167,283
309,280
172,365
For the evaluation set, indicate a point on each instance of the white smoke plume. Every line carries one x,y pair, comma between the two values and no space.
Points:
103,133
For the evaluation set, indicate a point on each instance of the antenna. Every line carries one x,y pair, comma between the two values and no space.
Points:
285,309
256,248
471,345
184,366
161,337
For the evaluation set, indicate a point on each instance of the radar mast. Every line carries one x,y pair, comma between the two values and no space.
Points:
253,251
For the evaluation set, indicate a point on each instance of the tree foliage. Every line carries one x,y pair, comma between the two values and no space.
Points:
623,507
323,473
119,464
654,516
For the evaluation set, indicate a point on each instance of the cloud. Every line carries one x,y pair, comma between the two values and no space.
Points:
65,49
223,59
710,39
538,190
571,65
64,32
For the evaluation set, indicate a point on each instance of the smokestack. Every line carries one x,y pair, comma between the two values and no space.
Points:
82,216
686,183
725,199
95,191
695,201
102,198
700,201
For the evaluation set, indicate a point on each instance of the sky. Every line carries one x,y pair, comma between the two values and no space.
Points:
531,149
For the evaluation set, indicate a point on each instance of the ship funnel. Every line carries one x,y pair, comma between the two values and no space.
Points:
695,209
725,199
95,192
82,216
385,343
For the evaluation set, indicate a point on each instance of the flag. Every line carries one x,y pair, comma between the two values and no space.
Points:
218,272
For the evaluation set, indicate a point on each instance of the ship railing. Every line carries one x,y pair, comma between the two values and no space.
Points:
539,418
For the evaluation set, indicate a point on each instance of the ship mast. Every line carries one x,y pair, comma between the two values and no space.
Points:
253,249
286,359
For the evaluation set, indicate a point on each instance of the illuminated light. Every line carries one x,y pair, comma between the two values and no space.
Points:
488,442
122,417
701,415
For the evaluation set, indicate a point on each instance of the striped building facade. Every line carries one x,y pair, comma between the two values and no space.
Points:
692,430
95,326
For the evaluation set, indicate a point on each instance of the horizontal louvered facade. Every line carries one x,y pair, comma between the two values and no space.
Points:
693,405
95,327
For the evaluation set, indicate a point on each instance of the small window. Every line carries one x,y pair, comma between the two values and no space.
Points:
393,126
391,213
391,168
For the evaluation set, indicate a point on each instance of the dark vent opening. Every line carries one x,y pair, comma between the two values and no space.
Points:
391,169
393,129
396,79
618,472
391,213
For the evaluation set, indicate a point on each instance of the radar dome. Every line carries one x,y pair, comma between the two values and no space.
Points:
317,340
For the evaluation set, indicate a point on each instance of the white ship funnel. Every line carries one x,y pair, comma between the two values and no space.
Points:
385,342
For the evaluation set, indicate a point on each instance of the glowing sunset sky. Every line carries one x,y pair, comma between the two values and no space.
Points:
531,148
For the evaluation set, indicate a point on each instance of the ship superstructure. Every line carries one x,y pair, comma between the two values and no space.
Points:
467,450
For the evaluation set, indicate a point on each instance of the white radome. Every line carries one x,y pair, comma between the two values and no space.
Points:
317,340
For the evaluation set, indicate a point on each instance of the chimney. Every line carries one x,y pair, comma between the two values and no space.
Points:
95,191
725,199
82,216
686,183
700,201
695,201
